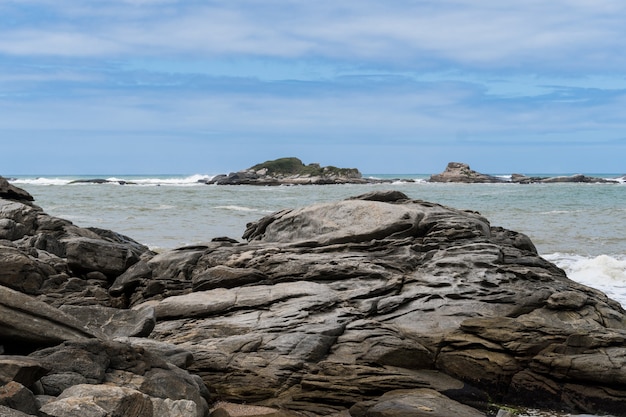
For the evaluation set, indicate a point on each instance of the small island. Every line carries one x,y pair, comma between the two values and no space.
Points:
292,171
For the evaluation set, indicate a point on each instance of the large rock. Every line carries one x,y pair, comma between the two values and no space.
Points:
370,304
460,172
348,300
54,259
28,323
291,171
11,192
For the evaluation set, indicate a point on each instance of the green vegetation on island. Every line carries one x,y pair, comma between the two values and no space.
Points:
294,166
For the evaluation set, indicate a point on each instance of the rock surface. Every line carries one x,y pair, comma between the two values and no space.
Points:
377,305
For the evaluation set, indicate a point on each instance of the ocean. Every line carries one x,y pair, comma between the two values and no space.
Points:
580,227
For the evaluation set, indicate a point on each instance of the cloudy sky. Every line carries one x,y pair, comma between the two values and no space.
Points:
404,86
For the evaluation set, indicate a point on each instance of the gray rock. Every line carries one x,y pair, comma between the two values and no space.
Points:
86,255
21,272
336,304
413,403
99,400
21,369
460,172
16,396
9,412
11,192
363,296
114,322
24,320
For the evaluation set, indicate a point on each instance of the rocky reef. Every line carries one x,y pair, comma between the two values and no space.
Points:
378,305
461,172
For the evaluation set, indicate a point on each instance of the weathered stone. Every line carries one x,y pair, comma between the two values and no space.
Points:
9,412
86,255
413,403
25,320
18,397
114,322
21,369
225,409
99,400
224,277
175,408
21,272
334,305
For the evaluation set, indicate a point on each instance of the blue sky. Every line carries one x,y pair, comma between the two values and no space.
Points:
405,86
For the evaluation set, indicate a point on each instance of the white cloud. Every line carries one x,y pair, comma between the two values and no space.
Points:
564,34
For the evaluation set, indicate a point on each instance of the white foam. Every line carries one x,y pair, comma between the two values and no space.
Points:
192,180
603,272
236,208
41,181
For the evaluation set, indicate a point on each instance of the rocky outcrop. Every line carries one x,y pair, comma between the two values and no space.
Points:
378,305
331,305
523,179
460,172
291,171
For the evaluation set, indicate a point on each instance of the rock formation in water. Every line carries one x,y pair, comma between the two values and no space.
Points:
292,171
460,172
377,305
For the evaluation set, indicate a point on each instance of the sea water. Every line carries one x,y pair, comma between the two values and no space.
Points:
580,227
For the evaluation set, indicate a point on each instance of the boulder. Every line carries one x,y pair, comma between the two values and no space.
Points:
28,323
11,192
114,322
16,396
21,369
115,364
413,403
88,400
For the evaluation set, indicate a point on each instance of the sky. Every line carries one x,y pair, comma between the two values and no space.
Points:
403,86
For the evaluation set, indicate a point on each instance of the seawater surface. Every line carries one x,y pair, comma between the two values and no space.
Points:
580,227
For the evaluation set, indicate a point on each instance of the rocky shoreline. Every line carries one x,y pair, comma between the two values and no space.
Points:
378,305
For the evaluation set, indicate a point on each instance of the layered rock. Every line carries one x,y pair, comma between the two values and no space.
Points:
376,305
332,305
